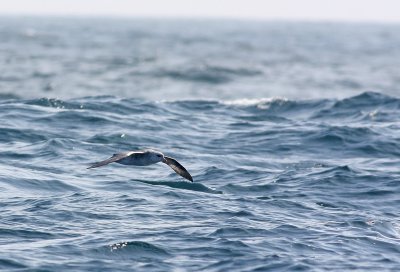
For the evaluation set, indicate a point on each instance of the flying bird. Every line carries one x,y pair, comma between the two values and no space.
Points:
143,158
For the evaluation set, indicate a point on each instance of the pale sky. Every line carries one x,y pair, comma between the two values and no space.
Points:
336,10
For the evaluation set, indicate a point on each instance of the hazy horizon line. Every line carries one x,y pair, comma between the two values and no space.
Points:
197,18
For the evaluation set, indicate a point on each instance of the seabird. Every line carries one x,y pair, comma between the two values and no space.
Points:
142,158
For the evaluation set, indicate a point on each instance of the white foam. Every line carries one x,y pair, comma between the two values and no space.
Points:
262,103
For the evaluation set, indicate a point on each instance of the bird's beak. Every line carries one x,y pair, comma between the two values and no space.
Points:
164,160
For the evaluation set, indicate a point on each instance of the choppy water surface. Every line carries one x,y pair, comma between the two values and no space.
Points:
307,181
178,59
278,184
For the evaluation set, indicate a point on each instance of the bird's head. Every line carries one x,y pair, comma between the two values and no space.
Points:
156,156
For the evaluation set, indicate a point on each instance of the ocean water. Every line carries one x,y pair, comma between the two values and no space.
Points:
291,132
178,59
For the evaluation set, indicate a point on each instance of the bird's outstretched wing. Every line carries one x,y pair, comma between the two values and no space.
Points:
114,158
177,167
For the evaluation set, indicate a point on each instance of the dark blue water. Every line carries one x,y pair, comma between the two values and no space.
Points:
302,182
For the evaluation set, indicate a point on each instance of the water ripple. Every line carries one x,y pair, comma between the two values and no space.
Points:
278,184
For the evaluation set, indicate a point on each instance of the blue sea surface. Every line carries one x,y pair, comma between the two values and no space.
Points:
294,170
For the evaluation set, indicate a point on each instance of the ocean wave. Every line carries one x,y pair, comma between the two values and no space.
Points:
271,175
183,185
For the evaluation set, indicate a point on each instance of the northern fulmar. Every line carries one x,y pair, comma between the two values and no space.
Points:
143,158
